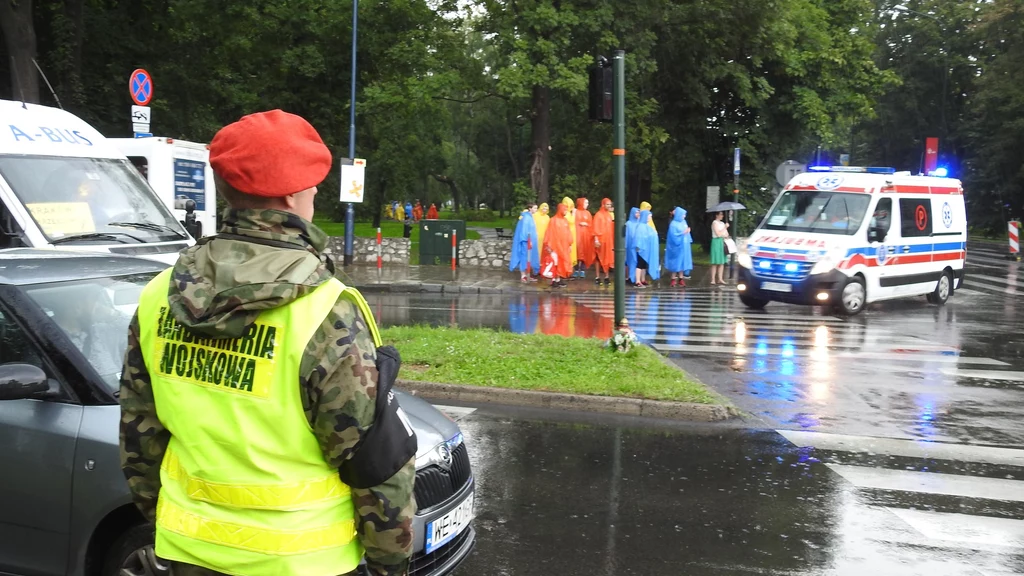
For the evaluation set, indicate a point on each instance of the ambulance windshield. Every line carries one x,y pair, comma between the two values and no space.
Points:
89,200
819,212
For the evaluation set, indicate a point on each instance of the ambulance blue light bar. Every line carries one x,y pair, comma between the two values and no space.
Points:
857,169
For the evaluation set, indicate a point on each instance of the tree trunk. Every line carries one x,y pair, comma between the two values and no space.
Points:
379,202
452,186
540,170
20,38
74,91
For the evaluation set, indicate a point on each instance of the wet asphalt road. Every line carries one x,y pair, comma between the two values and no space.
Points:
889,443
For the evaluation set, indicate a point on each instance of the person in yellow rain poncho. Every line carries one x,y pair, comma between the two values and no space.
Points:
541,218
647,206
570,215
400,213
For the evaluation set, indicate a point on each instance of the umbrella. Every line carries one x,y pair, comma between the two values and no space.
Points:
727,206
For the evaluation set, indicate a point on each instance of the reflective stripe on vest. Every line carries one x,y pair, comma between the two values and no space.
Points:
292,496
244,487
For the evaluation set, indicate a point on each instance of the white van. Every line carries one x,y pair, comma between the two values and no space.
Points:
178,171
848,236
62,184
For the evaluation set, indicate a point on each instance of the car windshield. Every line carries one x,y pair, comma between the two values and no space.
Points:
817,211
94,314
89,198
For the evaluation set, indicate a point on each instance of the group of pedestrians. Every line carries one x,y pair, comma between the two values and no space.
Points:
397,211
564,246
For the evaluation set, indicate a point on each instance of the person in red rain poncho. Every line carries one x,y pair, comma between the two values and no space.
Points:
432,212
584,237
417,212
555,262
604,241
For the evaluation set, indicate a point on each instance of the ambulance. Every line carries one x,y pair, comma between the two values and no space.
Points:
62,184
178,171
844,237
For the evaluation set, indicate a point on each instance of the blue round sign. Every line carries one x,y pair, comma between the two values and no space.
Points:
829,182
947,215
140,86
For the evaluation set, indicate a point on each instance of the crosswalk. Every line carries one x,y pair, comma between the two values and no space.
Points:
913,497
989,272
909,484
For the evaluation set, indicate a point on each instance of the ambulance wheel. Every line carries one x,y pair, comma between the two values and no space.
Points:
853,298
753,303
942,290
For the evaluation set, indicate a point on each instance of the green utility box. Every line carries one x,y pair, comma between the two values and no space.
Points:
436,240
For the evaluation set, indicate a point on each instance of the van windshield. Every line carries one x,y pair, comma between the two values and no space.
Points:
89,200
819,212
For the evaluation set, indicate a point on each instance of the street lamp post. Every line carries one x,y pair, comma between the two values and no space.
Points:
945,60
350,210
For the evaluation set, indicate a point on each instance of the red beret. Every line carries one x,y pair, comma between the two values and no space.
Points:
270,154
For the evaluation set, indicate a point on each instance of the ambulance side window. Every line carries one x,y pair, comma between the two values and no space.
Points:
881,220
915,217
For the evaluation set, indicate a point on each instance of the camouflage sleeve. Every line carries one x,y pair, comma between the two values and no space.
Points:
143,438
338,376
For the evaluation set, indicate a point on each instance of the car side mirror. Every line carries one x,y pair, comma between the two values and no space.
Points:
22,381
876,234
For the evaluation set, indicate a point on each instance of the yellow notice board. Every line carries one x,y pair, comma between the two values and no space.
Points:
62,218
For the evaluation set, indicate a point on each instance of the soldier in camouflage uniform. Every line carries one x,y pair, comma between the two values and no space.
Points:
268,254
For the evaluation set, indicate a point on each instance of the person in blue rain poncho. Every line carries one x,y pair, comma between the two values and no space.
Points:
678,253
631,225
648,261
526,246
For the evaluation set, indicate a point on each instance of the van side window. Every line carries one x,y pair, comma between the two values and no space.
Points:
915,217
882,218
141,164
10,232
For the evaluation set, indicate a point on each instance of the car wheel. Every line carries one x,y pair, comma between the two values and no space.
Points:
854,297
132,555
943,290
754,303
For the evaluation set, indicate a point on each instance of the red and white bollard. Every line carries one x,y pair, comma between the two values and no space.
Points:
1013,230
380,256
454,249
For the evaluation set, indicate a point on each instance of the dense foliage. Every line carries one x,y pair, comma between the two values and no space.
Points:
484,101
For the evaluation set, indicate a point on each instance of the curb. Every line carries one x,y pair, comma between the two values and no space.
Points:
427,287
578,402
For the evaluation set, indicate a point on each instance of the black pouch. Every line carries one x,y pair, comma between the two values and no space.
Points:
391,441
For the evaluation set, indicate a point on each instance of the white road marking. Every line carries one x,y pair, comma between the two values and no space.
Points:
455,412
931,483
1005,375
908,448
965,529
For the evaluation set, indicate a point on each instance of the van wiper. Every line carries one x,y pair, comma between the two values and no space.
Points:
153,226
113,236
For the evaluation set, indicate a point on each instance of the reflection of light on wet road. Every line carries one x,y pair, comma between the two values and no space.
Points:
821,337
741,332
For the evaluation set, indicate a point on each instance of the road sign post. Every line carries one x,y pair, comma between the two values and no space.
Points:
140,87
350,209
619,168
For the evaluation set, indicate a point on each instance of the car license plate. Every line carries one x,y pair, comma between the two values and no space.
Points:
443,529
776,286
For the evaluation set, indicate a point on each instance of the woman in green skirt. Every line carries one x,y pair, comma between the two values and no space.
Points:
719,232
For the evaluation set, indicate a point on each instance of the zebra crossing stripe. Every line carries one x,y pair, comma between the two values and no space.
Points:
963,529
864,477
907,448
1005,375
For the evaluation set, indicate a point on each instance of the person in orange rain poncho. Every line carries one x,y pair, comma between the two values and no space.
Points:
604,241
541,218
432,213
570,217
555,260
584,238
417,212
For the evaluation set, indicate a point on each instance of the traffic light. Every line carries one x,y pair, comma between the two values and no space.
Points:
600,109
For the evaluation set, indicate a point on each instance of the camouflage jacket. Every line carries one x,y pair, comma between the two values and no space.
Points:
218,289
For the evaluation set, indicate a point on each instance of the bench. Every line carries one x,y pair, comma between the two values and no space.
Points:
502,235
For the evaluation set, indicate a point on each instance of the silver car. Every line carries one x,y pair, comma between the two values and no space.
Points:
64,504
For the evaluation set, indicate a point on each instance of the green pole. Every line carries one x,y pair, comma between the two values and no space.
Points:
619,168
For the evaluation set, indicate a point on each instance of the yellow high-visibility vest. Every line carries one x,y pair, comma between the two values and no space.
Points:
245,489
